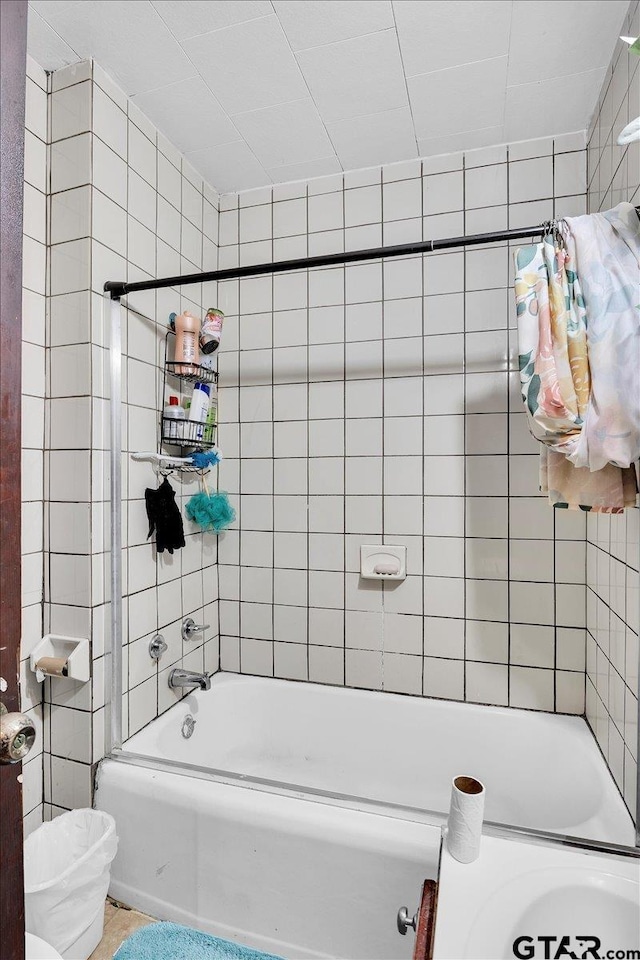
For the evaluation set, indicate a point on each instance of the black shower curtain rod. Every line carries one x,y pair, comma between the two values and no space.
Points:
118,289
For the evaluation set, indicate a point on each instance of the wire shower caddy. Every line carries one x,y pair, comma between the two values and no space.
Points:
187,434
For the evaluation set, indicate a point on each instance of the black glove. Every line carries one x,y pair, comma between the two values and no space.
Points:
164,517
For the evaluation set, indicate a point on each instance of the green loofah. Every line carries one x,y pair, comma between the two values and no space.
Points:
210,511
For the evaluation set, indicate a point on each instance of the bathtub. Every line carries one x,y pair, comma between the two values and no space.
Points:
298,818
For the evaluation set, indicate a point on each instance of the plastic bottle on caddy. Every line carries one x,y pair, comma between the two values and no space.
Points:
198,410
212,416
174,417
186,429
187,350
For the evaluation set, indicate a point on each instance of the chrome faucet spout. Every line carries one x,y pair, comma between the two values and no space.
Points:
187,678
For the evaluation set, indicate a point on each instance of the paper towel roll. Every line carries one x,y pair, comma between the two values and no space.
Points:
464,827
53,666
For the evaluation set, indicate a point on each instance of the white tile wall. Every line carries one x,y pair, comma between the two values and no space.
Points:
379,403
33,405
613,543
124,204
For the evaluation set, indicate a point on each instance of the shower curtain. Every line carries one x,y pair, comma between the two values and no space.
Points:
579,353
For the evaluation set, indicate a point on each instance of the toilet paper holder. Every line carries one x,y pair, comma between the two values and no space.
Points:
59,656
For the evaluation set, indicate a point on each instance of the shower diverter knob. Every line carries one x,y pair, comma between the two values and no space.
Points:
17,736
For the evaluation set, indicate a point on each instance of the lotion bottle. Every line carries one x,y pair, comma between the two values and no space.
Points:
187,342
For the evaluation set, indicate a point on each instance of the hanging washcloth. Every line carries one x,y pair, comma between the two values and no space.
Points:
164,517
556,380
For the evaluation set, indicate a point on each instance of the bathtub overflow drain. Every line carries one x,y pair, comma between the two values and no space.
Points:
188,726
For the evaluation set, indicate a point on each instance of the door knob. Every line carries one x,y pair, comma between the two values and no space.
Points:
17,736
190,627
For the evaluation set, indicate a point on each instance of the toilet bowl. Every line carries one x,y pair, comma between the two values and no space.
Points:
37,949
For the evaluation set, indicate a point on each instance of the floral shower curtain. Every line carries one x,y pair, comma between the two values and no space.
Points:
577,302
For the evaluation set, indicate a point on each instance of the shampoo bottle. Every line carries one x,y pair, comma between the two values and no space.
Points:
199,409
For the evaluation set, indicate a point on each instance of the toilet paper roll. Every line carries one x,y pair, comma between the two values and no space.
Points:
53,666
464,826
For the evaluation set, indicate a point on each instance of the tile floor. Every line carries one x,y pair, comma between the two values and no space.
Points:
119,923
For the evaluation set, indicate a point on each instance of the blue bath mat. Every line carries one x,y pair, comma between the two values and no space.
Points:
171,941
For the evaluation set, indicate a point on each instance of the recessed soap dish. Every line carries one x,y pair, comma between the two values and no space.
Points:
383,562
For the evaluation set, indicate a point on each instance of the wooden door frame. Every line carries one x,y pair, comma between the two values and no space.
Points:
13,49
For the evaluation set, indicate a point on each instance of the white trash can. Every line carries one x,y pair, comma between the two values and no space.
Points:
66,877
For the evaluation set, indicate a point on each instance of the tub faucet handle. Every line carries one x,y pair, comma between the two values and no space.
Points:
190,628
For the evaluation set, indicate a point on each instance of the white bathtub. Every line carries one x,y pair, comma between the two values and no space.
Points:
297,871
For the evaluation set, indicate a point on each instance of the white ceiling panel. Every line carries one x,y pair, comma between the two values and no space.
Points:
315,22
115,32
342,83
452,32
248,66
231,166
470,140
305,171
285,133
540,31
46,7
190,18
527,105
45,46
189,114
365,141
461,98
261,91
